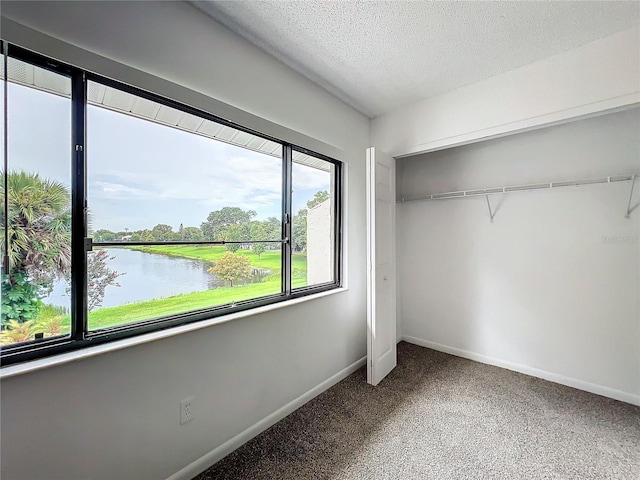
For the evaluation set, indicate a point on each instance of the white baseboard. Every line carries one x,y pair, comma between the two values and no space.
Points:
534,372
204,462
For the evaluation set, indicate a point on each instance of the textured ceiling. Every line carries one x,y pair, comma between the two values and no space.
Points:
381,55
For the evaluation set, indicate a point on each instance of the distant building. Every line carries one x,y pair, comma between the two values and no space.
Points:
320,244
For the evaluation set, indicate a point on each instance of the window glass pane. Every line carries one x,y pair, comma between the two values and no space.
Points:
35,289
156,174
313,229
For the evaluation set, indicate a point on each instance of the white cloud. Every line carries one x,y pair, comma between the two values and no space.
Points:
118,190
242,181
309,178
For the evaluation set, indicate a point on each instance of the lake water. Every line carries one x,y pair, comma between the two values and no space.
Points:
149,276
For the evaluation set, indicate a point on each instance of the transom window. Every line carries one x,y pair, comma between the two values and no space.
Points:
124,212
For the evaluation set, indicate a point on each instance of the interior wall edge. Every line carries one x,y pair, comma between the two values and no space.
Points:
218,453
626,397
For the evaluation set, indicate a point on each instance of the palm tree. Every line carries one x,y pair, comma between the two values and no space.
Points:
38,225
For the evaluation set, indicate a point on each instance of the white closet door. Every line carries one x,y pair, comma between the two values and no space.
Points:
381,269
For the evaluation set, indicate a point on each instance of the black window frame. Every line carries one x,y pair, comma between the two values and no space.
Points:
80,336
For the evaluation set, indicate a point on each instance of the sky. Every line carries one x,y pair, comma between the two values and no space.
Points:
141,173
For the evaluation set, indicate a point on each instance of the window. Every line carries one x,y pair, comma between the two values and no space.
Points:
313,231
127,213
36,225
170,183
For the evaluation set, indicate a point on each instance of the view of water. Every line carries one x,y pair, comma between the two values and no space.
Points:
148,276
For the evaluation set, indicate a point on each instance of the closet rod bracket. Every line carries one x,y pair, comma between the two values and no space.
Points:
633,183
491,213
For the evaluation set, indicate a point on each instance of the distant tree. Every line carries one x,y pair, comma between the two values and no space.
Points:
318,198
142,236
234,233
162,233
258,232
217,222
193,234
258,249
299,231
231,267
273,228
103,235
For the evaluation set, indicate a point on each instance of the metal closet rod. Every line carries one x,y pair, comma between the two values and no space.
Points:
520,188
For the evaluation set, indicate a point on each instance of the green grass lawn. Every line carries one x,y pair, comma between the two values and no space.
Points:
134,312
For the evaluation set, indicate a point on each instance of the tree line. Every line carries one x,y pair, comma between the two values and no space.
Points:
230,224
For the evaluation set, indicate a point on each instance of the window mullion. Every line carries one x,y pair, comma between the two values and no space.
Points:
337,223
78,208
287,216
5,123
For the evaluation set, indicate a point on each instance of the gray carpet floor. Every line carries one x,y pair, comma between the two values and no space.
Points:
443,417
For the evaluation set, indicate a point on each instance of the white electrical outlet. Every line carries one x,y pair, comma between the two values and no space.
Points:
186,410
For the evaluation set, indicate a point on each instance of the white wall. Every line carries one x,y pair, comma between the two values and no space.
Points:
552,287
116,415
595,77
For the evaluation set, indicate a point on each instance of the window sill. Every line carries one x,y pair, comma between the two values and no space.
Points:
54,361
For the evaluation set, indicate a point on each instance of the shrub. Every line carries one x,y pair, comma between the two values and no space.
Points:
17,332
231,267
52,326
20,301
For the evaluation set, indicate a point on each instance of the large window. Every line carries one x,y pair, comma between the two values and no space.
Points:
123,212
313,231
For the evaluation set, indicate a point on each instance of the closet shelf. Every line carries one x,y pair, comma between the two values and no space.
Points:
521,188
